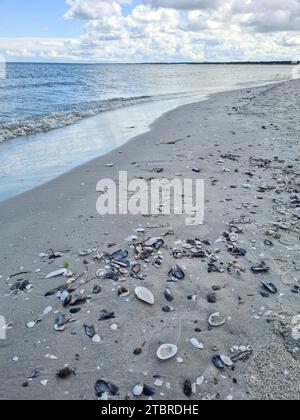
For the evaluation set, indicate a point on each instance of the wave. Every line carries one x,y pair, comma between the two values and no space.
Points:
44,123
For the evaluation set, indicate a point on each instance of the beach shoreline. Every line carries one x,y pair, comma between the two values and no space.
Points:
61,215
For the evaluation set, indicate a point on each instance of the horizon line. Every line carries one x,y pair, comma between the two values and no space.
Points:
269,62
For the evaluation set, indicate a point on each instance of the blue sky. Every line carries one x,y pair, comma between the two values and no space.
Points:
36,18
149,30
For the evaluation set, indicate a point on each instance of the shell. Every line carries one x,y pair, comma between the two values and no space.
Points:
138,390
194,342
215,320
167,351
145,295
227,361
62,272
168,294
85,252
101,273
218,362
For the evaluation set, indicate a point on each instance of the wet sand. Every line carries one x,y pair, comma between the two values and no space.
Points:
246,144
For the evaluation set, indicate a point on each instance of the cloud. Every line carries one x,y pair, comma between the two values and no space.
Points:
176,30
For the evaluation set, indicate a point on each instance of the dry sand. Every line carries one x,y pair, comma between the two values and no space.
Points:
260,123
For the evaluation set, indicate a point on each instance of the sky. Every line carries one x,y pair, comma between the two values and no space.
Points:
149,30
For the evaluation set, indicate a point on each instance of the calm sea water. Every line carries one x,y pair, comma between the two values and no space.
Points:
59,116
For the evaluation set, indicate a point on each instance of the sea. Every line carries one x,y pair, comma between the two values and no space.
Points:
54,117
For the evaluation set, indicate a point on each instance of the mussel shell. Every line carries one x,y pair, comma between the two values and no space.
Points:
136,268
187,389
78,300
60,320
148,391
96,289
20,285
102,387
270,287
168,294
218,362
75,311
262,268
121,262
105,315
90,331
238,252
177,272
65,373
121,254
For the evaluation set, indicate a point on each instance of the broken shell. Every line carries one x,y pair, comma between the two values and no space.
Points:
187,389
138,390
169,295
32,324
194,342
123,292
63,272
96,289
145,295
234,237
96,339
227,361
101,273
215,320
85,252
167,351
90,331
105,315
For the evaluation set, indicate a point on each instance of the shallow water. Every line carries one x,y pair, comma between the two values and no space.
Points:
52,103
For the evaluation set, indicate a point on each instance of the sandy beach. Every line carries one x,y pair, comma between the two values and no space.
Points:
246,145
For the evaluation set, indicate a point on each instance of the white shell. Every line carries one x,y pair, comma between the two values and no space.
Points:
96,339
138,390
145,295
85,252
100,273
62,272
167,351
227,361
47,310
200,380
194,342
234,237
30,324
215,320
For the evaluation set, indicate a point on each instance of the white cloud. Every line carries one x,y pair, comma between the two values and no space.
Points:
174,30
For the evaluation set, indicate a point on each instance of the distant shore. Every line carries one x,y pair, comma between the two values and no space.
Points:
246,147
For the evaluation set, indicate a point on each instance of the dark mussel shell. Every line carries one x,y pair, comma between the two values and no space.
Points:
214,268
148,391
135,270
78,300
121,254
268,243
158,244
168,294
96,289
65,373
75,311
121,262
90,331
177,272
60,320
260,268
218,362
103,387
187,389
296,289
270,287
105,315
20,285
237,252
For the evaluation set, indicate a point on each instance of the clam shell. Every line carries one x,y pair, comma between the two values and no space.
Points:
167,351
215,320
138,390
145,295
